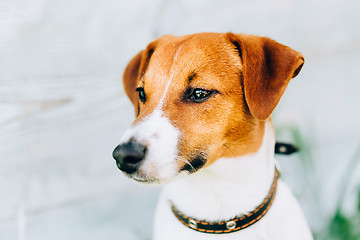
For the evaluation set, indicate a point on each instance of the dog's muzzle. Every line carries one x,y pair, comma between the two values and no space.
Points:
129,156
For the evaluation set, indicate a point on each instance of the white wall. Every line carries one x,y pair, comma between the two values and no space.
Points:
63,110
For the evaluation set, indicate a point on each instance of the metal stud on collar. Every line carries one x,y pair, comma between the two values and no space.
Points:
231,225
192,223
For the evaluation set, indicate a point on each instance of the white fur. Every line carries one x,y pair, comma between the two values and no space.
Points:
161,102
226,189
161,138
155,132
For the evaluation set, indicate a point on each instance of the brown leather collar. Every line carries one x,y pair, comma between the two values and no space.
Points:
234,224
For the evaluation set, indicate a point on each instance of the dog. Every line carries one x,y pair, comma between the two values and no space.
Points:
203,129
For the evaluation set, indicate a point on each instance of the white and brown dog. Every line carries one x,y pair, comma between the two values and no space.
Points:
203,127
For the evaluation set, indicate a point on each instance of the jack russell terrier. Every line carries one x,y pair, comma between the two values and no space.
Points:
203,127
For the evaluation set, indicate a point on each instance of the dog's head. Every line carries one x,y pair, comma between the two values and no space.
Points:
199,98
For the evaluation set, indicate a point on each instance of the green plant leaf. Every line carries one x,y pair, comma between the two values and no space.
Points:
340,226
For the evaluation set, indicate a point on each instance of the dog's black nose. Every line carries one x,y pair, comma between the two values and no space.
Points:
129,155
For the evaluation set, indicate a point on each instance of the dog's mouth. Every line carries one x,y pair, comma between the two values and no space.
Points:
152,180
145,180
195,163
141,176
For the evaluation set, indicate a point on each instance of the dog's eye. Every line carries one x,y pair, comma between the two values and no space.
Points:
142,96
199,95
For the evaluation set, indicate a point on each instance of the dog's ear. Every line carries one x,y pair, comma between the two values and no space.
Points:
135,69
131,76
267,67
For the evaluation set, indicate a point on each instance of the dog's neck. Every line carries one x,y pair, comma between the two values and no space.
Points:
227,188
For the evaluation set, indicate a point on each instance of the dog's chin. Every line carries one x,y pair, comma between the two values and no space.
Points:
155,181
151,181
147,181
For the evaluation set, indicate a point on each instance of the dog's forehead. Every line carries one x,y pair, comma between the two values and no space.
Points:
193,49
180,58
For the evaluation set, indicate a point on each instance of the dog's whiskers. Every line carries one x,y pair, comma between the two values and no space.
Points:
229,149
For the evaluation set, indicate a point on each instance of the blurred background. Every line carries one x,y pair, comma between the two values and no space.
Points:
63,109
